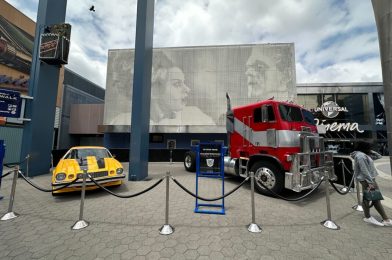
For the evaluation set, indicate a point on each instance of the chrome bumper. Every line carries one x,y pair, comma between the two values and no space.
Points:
100,180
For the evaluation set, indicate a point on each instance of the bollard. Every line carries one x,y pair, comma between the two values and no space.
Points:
253,227
167,229
10,214
328,223
81,223
358,207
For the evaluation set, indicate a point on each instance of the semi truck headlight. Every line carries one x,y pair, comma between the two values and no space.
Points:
289,157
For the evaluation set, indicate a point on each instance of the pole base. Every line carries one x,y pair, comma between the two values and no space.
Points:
330,224
9,215
254,228
358,208
80,224
166,230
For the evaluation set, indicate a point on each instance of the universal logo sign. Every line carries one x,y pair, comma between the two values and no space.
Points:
331,110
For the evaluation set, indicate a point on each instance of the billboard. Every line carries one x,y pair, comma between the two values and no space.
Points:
189,84
54,44
10,102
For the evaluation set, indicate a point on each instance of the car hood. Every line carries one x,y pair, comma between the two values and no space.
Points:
93,165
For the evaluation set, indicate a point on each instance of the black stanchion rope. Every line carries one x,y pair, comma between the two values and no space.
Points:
349,187
5,175
10,165
46,190
206,199
296,199
126,196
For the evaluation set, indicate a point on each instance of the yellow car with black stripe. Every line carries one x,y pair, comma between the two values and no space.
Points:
98,162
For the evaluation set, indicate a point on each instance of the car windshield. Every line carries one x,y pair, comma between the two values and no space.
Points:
83,153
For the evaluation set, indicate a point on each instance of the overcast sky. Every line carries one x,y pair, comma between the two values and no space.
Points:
335,40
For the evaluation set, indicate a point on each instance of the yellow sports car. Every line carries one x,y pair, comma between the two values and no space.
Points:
98,162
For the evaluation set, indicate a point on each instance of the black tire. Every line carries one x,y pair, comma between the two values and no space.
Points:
270,175
190,161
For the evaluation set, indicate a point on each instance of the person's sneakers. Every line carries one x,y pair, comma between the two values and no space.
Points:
387,223
373,221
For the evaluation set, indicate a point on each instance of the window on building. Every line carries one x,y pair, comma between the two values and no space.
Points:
357,108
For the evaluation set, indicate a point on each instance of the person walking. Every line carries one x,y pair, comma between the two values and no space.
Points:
366,173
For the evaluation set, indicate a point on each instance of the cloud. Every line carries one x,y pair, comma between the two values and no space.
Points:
335,41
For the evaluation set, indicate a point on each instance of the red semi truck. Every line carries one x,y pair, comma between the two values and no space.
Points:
276,140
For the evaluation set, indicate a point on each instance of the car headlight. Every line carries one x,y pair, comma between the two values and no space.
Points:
119,170
60,176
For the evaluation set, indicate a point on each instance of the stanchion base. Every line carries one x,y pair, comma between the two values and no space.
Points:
166,230
254,228
80,224
330,224
358,208
344,189
9,215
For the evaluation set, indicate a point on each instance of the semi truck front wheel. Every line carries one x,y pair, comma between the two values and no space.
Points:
268,174
190,161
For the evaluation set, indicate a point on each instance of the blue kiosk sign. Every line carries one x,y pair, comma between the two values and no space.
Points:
209,163
10,102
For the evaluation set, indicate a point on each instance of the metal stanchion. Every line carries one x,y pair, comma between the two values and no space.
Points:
167,229
358,207
344,189
27,165
171,156
51,161
10,214
81,223
253,227
328,223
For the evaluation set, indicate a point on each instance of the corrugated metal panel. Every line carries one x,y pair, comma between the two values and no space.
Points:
12,137
57,118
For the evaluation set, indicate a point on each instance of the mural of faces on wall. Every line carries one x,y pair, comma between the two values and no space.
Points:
189,84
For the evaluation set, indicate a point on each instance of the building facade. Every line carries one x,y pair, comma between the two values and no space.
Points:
16,47
191,84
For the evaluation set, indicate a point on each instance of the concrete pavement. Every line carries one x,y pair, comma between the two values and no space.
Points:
129,228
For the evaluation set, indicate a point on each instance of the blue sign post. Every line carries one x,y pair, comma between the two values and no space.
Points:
210,164
2,154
